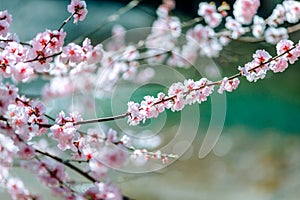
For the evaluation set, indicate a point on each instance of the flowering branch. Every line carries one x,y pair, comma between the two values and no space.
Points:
68,164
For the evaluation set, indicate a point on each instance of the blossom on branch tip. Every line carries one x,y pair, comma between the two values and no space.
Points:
286,45
5,21
292,9
209,12
78,8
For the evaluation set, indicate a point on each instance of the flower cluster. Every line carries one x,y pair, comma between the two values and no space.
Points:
244,10
257,69
52,174
5,21
24,115
179,95
64,130
190,92
78,9
210,14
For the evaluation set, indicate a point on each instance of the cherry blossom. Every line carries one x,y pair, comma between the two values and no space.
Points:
292,9
78,8
274,35
228,85
5,21
7,151
8,94
64,130
278,16
210,14
102,190
258,26
23,72
44,46
72,53
279,65
17,189
179,95
98,169
286,45
244,10
235,26
26,151
165,8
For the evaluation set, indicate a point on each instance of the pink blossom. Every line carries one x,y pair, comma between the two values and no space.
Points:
165,8
105,191
57,87
117,40
175,26
78,9
51,173
278,16
72,53
201,40
279,65
112,156
135,116
235,27
26,151
200,33
253,75
244,10
56,40
17,116
23,72
17,190
5,21
5,63
228,85
65,135
259,26
261,56
98,169
44,46
15,52
112,136
8,151
8,94
292,9
210,14
176,91
274,35
285,46
202,91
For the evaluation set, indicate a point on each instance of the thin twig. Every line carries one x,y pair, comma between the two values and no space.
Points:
68,164
114,17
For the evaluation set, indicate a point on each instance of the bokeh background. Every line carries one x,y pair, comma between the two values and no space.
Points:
257,155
